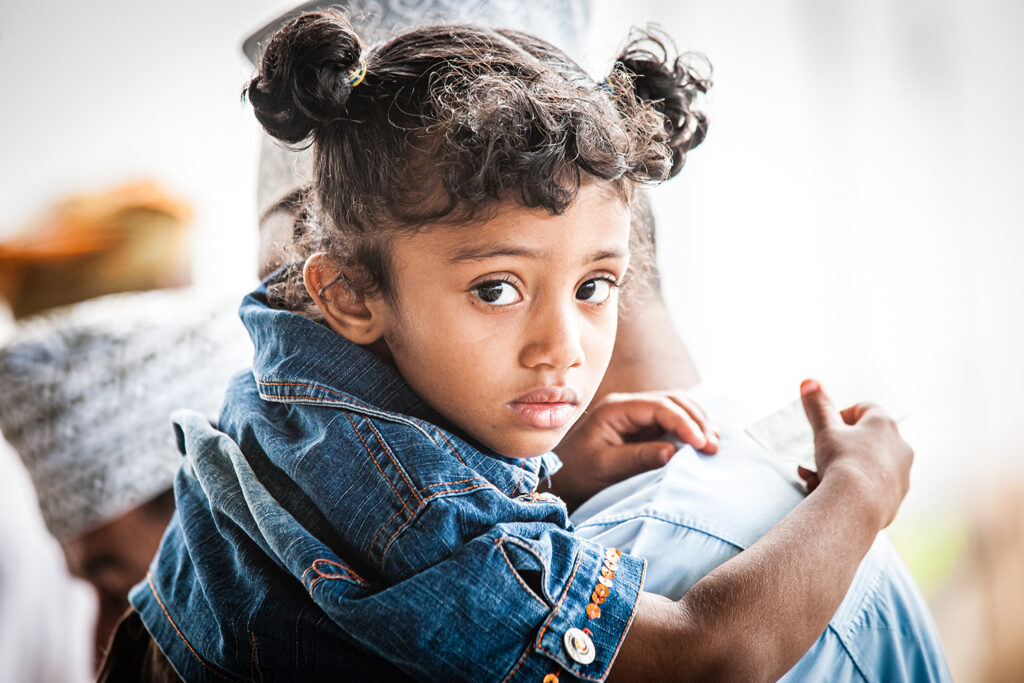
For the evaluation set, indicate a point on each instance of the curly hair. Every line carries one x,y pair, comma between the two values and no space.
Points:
450,121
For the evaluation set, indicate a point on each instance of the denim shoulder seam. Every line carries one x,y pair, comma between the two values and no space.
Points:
345,401
380,469
394,460
480,483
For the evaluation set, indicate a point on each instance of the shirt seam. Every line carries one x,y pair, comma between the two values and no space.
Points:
650,515
537,644
849,653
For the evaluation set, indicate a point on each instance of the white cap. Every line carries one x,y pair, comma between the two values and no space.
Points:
87,392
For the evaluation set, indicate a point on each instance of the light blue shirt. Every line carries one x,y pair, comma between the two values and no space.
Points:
699,511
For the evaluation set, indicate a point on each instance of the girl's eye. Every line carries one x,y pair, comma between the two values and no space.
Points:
595,291
497,293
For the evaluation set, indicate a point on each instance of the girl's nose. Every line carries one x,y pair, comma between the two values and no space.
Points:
553,339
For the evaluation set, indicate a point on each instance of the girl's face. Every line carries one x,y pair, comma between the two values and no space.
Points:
506,328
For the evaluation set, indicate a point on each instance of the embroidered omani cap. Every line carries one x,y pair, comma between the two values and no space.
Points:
86,392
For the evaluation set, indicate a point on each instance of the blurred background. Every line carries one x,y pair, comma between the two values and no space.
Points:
854,215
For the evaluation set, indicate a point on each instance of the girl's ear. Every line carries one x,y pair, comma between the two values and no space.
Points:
344,310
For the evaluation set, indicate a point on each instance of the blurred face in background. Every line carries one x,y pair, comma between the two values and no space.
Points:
116,556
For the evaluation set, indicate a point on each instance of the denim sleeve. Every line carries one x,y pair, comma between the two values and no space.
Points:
474,584
520,602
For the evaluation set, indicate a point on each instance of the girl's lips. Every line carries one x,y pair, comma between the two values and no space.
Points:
546,407
544,415
549,395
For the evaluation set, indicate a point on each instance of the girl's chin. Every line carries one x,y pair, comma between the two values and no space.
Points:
522,449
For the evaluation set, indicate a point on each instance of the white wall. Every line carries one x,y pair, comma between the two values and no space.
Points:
105,92
855,215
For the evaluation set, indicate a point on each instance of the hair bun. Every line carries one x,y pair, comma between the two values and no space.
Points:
303,78
670,85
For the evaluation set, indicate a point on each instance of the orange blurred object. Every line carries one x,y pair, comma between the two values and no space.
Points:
129,238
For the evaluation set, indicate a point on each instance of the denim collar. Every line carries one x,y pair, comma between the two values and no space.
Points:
298,360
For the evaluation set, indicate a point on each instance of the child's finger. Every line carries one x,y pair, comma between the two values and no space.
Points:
698,414
630,415
690,406
674,418
641,457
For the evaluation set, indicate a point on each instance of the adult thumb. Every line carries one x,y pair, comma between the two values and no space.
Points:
820,410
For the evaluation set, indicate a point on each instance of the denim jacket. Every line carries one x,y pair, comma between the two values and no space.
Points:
334,525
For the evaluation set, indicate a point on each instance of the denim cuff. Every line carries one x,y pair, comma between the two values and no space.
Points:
595,611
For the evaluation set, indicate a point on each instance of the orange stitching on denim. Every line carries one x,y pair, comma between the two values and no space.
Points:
347,573
382,528
333,401
167,614
370,453
391,455
254,661
452,447
345,396
522,583
643,575
422,505
528,547
558,606
311,386
526,653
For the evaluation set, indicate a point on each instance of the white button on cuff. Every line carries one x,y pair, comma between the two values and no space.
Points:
579,646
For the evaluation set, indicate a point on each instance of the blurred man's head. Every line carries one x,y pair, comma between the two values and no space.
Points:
88,393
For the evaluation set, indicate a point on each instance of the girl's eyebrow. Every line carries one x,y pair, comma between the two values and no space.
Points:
486,252
490,251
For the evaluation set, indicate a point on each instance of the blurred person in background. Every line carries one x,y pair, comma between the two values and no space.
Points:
88,391
46,615
133,237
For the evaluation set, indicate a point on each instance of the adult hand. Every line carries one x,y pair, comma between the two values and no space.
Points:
620,436
861,441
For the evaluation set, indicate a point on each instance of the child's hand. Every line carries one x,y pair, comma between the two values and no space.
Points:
618,438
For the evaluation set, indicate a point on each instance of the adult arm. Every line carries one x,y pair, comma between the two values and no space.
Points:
753,617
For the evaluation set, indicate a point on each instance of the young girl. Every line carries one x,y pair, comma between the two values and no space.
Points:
369,507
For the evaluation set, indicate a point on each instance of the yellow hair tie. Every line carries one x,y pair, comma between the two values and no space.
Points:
357,76
609,87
